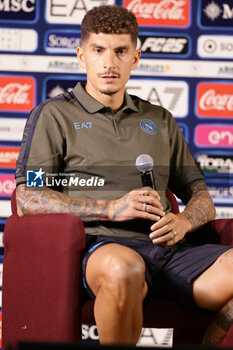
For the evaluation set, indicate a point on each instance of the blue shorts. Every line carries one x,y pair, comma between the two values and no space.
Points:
169,271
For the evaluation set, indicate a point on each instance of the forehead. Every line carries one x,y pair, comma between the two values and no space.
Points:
109,40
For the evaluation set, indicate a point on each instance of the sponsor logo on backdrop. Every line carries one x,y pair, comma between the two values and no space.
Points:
215,46
18,40
215,164
156,337
54,87
163,45
214,136
72,11
58,41
164,13
152,67
5,208
7,185
149,336
215,100
221,194
224,212
225,70
8,156
11,129
171,94
63,65
89,333
20,10
1,238
217,13
17,93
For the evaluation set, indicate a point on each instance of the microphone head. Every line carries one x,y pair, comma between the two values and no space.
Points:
144,163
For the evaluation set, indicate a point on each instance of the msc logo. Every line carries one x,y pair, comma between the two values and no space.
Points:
148,126
217,13
18,10
35,178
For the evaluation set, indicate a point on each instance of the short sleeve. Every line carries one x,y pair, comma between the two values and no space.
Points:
183,167
42,145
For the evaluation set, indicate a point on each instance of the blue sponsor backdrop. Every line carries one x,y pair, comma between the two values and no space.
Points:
38,39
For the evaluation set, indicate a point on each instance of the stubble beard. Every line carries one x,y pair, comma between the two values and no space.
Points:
109,92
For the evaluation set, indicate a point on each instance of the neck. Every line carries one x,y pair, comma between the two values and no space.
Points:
114,101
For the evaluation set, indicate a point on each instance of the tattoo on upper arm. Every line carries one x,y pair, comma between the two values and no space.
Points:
49,201
200,208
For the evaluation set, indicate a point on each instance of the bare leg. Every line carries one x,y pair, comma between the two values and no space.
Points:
213,290
116,275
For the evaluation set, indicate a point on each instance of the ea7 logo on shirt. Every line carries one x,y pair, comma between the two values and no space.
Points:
148,126
35,178
79,126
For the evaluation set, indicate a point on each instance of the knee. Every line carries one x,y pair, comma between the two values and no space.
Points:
124,279
125,272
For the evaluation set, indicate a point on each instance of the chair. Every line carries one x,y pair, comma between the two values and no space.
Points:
43,297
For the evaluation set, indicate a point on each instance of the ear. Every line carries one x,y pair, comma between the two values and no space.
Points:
136,58
81,57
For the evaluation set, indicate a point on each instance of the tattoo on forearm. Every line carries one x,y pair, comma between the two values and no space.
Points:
49,201
224,318
220,325
119,209
200,208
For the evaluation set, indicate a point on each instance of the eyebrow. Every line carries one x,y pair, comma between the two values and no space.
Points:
116,48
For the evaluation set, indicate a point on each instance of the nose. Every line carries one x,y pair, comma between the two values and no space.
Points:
109,59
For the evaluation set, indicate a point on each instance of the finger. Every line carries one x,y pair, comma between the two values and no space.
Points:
147,208
166,239
151,201
147,191
168,219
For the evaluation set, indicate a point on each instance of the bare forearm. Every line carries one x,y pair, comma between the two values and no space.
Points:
199,208
43,201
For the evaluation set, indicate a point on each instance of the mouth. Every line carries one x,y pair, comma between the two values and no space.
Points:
109,77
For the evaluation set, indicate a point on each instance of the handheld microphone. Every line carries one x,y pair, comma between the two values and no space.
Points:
144,163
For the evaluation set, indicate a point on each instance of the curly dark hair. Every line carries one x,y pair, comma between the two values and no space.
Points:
109,19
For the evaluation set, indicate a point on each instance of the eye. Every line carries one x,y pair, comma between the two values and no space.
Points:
97,50
121,52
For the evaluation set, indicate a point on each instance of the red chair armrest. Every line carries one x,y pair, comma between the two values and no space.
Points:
217,231
42,277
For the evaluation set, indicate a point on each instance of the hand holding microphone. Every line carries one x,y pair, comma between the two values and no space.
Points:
145,163
161,231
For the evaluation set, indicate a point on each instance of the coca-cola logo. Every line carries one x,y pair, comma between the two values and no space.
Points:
215,100
17,93
214,136
166,13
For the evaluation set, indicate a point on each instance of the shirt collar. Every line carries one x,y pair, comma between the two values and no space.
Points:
92,105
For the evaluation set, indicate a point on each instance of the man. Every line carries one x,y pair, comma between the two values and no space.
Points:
136,246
